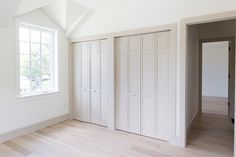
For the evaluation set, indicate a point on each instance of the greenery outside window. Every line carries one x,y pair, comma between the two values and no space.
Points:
37,60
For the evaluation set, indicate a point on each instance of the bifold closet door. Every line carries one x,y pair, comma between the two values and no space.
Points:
163,71
144,68
77,86
134,84
95,82
128,84
121,83
104,83
147,92
85,82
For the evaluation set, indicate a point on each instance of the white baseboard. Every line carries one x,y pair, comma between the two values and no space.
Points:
26,130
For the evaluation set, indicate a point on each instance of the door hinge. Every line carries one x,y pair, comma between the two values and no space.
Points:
229,48
229,76
228,104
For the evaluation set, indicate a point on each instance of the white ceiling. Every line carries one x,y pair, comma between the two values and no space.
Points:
29,5
68,14
7,11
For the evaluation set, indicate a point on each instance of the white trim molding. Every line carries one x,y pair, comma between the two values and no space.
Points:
23,131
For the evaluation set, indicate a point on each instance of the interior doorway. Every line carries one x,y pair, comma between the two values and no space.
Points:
210,87
217,87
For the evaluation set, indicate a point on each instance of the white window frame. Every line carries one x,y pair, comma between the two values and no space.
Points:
55,76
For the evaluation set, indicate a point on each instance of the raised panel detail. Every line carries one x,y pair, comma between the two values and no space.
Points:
91,81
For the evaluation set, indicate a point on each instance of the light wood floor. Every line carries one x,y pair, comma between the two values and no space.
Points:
76,139
215,105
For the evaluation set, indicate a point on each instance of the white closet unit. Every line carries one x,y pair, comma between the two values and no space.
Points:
90,79
143,82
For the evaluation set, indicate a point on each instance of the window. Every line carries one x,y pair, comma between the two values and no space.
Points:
37,55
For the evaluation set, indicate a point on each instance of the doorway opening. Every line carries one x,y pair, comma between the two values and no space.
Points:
211,87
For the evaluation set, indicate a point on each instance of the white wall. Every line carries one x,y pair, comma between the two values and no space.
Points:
17,113
192,73
215,69
118,15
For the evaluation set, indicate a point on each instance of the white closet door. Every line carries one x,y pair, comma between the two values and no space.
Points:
77,86
134,84
95,82
148,109
162,84
104,82
121,83
85,112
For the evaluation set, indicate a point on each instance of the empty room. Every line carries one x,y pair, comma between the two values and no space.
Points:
117,78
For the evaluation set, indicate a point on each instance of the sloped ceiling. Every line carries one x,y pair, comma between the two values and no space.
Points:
30,5
7,11
68,14
58,12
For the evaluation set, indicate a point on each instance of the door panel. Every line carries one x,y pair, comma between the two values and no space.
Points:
134,84
121,112
85,116
104,108
104,82
95,107
121,83
121,73
95,82
77,86
162,84
134,113
148,114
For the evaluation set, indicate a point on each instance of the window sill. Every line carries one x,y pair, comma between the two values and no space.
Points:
38,96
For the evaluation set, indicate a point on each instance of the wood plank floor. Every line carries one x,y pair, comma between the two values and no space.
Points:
76,139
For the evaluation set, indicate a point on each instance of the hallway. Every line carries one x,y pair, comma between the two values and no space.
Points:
213,134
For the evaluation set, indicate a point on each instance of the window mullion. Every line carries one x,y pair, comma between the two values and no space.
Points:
40,64
30,62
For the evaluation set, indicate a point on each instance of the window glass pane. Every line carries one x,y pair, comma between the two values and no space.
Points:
24,86
36,60
35,36
35,69
45,49
36,84
24,60
24,34
47,84
35,49
24,73
45,37
24,47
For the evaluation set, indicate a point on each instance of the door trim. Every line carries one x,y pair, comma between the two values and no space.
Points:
181,63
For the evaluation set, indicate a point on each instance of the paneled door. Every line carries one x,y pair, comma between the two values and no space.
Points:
121,83
104,82
144,84
147,86
162,84
134,84
85,82
77,84
91,81
95,82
